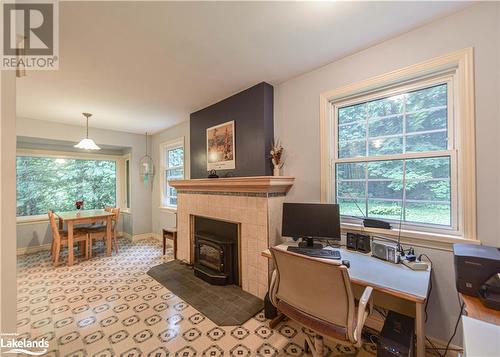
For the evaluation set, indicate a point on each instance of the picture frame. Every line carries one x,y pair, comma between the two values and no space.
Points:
221,153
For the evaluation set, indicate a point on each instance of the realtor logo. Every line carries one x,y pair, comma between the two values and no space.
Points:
30,35
10,343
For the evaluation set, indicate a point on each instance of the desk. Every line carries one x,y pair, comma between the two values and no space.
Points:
83,217
475,308
395,286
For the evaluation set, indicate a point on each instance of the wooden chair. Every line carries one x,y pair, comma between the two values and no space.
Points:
98,231
171,234
60,238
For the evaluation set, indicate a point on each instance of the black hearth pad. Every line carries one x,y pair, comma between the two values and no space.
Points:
225,305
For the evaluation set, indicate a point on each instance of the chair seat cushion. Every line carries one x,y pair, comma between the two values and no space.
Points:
320,326
84,226
96,227
77,233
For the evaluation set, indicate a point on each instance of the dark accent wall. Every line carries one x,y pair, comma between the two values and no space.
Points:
252,112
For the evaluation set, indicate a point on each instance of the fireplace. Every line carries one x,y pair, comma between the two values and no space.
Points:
216,251
254,203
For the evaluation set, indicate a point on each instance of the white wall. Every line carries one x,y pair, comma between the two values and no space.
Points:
139,221
8,286
297,125
162,218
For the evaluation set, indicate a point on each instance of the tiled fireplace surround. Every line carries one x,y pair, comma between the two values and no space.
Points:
255,203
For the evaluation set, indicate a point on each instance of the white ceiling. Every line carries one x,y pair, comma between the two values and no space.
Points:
146,66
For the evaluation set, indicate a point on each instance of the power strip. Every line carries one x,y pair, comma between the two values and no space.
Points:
421,266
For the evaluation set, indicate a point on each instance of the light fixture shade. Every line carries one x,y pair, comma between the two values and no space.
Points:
87,144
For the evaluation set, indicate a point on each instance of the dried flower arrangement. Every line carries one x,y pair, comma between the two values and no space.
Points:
277,154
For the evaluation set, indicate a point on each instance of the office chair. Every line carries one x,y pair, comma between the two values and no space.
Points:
317,294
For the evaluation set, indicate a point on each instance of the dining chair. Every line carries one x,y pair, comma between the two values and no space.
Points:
98,231
60,238
317,294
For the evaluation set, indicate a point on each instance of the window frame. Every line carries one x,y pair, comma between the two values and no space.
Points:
78,156
164,148
125,183
449,152
457,68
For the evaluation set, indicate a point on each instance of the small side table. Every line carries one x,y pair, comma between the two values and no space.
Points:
170,233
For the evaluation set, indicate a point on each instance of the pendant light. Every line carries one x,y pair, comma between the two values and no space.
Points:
86,143
146,166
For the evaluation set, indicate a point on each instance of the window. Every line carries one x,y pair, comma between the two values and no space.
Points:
172,169
126,184
400,147
45,183
393,156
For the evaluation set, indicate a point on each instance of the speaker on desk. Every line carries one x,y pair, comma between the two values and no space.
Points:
359,242
363,243
351,241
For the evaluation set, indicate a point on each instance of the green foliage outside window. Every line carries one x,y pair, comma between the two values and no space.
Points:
412,122
175,171
45,183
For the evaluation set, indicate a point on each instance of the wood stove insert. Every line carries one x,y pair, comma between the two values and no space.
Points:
216,257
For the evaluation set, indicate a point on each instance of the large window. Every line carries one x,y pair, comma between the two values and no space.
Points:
401,147
172,169
394,158
45,183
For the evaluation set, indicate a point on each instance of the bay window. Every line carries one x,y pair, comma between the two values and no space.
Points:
52,182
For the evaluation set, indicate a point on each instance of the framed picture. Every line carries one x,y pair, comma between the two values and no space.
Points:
220,147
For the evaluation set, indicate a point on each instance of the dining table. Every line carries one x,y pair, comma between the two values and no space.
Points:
73,218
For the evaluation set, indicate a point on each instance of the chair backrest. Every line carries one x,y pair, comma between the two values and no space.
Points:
116,217
53,226
316,287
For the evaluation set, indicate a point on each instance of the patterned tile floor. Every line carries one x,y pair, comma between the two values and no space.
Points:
109,306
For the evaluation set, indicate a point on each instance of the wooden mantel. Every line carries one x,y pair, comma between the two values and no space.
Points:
255,184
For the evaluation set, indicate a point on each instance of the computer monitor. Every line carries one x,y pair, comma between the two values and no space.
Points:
311,221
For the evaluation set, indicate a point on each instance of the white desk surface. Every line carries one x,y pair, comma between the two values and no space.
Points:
481,339
395,279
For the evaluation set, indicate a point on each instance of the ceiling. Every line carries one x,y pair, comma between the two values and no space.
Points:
143,67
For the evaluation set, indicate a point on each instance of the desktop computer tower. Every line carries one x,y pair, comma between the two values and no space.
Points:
397,336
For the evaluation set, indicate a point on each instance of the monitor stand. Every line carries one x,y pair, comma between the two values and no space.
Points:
309,243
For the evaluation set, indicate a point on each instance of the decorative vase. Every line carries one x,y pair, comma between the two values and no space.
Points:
276,171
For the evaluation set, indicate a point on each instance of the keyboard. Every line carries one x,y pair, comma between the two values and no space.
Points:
317,253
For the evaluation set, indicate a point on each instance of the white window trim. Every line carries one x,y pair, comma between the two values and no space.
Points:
460,66
126,207
178,142
119,160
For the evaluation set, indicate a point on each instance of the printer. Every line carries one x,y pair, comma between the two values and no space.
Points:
477,272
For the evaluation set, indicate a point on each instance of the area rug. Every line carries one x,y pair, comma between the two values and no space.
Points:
225,305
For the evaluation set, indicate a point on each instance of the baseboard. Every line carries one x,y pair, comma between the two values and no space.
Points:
33,249
47,247
125,235
452,349
141,236
157,236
